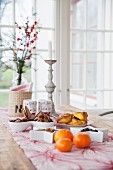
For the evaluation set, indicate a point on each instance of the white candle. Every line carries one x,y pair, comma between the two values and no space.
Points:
50,48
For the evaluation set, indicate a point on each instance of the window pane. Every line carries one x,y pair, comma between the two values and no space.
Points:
27,75
77,40
7,35
111,102
108,14
77,69
46,12
107,99
77,14
95,40
4,99
77,99
7,42
6,12
91,70
42,95
91,100
91,40
100,40
107,70
111,41
42,42
92,13
6,79
21,12
42,72
107,41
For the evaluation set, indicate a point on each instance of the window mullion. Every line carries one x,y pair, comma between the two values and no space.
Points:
57,51
64,50
85,58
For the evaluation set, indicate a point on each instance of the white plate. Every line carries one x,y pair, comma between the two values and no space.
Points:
68,126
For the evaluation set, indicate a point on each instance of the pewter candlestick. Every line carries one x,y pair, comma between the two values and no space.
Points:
50,85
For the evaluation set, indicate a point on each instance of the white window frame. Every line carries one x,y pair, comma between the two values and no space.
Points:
33,73
63,52
103,99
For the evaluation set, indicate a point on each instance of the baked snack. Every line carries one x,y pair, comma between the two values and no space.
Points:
78,118
26,113
76,122
65,118
81,115
41,117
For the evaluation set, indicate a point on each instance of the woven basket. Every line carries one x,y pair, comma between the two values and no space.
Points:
15,104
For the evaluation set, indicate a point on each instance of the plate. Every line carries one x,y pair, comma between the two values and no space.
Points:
68,126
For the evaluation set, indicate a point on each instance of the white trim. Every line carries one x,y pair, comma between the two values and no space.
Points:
90,30
89,51
65,50
4,91
94,90
85,58
57,51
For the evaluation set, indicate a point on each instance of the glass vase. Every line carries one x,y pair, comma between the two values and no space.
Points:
19,80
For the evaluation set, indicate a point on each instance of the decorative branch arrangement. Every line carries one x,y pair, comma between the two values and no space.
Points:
21,47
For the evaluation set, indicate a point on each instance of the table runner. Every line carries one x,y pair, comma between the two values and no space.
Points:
44,156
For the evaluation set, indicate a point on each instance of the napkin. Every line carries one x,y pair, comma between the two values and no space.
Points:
25,87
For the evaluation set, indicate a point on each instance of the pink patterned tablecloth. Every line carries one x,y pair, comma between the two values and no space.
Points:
44,156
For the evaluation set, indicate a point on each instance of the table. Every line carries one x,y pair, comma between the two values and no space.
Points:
12,156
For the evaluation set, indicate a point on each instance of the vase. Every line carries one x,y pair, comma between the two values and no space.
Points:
19,80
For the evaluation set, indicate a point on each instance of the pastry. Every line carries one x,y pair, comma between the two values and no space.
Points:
42,117
26,113
65,118
76,122
81,115
78,118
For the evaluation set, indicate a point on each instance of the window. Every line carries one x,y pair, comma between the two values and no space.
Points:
18,10
83,25
91,54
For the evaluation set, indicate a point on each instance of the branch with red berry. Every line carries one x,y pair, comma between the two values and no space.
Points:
22,45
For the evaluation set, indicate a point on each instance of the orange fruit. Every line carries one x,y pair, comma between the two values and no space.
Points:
63,133
64,145
81,140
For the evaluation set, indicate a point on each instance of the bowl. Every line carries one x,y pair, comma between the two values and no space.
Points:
105,132
42,125
19,126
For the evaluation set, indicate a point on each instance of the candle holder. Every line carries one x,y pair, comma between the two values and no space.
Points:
50,85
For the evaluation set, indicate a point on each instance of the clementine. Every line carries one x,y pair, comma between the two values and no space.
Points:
81,140
64,145
63,133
